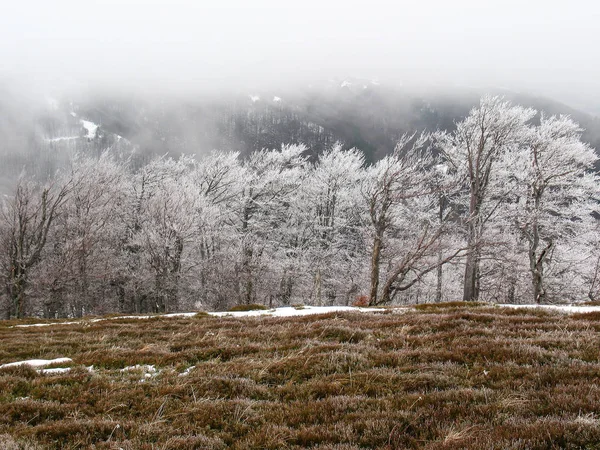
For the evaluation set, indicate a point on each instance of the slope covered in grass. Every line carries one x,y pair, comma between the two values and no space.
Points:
444,377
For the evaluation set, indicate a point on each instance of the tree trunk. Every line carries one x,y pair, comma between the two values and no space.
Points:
375,259
471,282
440,270
18,284
536,265
318,288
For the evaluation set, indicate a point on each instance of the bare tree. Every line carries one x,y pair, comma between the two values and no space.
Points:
27,218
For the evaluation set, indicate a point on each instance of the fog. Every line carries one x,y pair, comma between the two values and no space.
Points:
542,46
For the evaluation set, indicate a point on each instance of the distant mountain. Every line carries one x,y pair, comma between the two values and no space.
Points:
42,133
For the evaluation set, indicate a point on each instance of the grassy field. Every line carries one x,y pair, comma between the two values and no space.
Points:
433,377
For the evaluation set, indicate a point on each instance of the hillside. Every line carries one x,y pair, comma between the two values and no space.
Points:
40,133
436,376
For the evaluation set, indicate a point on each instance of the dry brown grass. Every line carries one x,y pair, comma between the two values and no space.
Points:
445,377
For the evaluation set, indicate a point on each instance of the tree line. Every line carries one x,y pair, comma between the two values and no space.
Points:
502,209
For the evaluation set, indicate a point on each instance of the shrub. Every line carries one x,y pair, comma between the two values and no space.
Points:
362,301
434,306
250,307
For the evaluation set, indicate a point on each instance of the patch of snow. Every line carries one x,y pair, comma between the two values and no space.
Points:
85,321
148,370
254,98
572,309
375,82
187,371
73,114
90,127
62,138
345,84
44,324
144,367
277,99
53,371
290,311
37,362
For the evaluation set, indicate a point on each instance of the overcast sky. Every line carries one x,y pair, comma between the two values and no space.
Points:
548,46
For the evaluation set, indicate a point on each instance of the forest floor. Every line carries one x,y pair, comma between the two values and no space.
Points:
433,376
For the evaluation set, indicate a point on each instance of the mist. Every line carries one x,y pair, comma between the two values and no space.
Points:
185,47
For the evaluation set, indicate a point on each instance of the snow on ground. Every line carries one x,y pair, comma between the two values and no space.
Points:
572,309
90,127
290,311
187,371
148,371
62,138
74,114
37,362
189,314
277,99
54,371
345,84
254,98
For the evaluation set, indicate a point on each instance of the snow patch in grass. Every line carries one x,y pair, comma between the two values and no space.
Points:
53,371
290,311
148,371
572,309
187,371
37,362
144,367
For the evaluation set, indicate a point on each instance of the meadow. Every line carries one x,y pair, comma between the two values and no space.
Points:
445,376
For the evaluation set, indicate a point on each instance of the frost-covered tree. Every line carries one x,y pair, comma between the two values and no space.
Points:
217,177
168,225
328,214
559,193
265,186
480,146
83,260
26,221
400,197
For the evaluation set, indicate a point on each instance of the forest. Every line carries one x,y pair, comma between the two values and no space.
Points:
502,208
